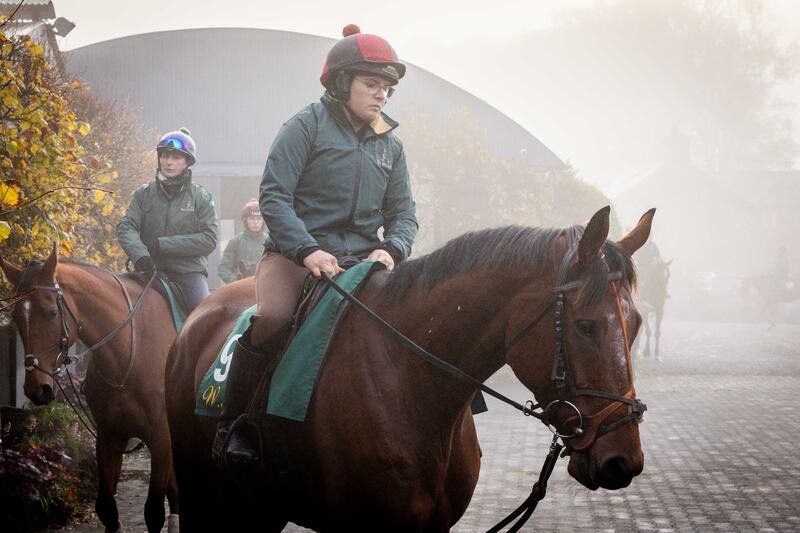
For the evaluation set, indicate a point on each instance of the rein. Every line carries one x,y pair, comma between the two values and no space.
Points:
566,391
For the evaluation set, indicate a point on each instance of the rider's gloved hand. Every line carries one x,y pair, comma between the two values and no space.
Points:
144,265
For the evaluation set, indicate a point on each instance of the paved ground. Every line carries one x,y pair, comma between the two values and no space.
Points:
719,443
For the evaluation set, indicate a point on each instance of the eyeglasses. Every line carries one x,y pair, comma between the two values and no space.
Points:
373,87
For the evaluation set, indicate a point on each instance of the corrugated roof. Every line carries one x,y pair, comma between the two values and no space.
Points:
30,10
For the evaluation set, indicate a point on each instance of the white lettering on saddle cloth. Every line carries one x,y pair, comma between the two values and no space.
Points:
226,355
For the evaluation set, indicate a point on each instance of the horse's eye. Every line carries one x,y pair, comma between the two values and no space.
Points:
51,314
585,328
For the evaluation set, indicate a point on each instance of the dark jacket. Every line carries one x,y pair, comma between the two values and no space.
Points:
241,256
326,187
184,225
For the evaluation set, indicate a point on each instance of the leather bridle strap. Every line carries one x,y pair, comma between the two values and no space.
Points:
538,492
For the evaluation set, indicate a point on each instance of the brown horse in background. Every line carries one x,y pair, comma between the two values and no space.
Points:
389,443
124,383
653,283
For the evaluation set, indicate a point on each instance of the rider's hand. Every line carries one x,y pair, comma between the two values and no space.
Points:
382,256
321,261
144,265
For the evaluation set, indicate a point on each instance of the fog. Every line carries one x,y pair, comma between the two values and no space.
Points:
686,106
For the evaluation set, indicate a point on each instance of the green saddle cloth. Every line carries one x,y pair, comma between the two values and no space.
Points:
297,373
212,388
177,312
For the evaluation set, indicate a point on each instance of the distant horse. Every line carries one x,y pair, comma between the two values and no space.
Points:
772,293
653,280
389,443
124,383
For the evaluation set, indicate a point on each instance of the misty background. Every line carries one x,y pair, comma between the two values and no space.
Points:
689,106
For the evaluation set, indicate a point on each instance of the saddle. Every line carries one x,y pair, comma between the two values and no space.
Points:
178,298
311,294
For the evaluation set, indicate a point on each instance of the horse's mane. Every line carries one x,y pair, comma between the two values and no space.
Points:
74,262
503,247
133,276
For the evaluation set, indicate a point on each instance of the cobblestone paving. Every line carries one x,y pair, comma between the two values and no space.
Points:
719,443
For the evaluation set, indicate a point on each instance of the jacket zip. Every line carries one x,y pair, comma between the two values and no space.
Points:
357,182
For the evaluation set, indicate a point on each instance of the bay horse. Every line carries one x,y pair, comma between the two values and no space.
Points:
389,442
653,282
124,383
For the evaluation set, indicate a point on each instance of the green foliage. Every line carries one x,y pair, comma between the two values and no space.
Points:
48,471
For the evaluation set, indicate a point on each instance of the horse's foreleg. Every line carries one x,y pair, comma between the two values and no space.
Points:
647,334
160,476
109,466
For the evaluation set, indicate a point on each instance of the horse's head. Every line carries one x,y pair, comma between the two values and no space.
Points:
46,326
574,352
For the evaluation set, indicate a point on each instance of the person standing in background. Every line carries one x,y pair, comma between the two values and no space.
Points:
244,251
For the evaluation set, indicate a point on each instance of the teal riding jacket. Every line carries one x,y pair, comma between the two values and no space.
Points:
184,225
241,256
326,187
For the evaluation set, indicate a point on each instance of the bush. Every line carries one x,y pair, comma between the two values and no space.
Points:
48,474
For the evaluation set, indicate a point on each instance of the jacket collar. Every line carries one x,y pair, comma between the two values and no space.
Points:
382,124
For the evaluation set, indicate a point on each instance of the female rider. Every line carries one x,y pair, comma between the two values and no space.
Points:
336,173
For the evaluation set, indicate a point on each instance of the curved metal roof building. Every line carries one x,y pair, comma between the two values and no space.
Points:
233,88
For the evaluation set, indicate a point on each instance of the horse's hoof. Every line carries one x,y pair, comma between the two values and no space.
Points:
172,524
120,529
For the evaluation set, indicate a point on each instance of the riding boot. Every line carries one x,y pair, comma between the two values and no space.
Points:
237,442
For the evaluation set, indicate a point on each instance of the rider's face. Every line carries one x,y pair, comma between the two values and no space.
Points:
368,95
172,163
254,223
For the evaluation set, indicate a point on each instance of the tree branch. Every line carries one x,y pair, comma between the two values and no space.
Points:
52,191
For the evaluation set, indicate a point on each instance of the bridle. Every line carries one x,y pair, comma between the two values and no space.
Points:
63,359
565,387
567,392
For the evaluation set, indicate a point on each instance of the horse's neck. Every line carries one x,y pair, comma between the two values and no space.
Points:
463,322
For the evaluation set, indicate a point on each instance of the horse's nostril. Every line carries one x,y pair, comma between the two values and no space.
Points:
45,395
616,473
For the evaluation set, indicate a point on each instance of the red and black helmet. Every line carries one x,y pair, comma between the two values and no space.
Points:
362,52
251,209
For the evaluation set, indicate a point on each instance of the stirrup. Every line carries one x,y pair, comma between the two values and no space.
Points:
240,445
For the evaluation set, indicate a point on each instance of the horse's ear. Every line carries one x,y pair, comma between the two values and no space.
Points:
13,273
638,235
593,237
49,268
